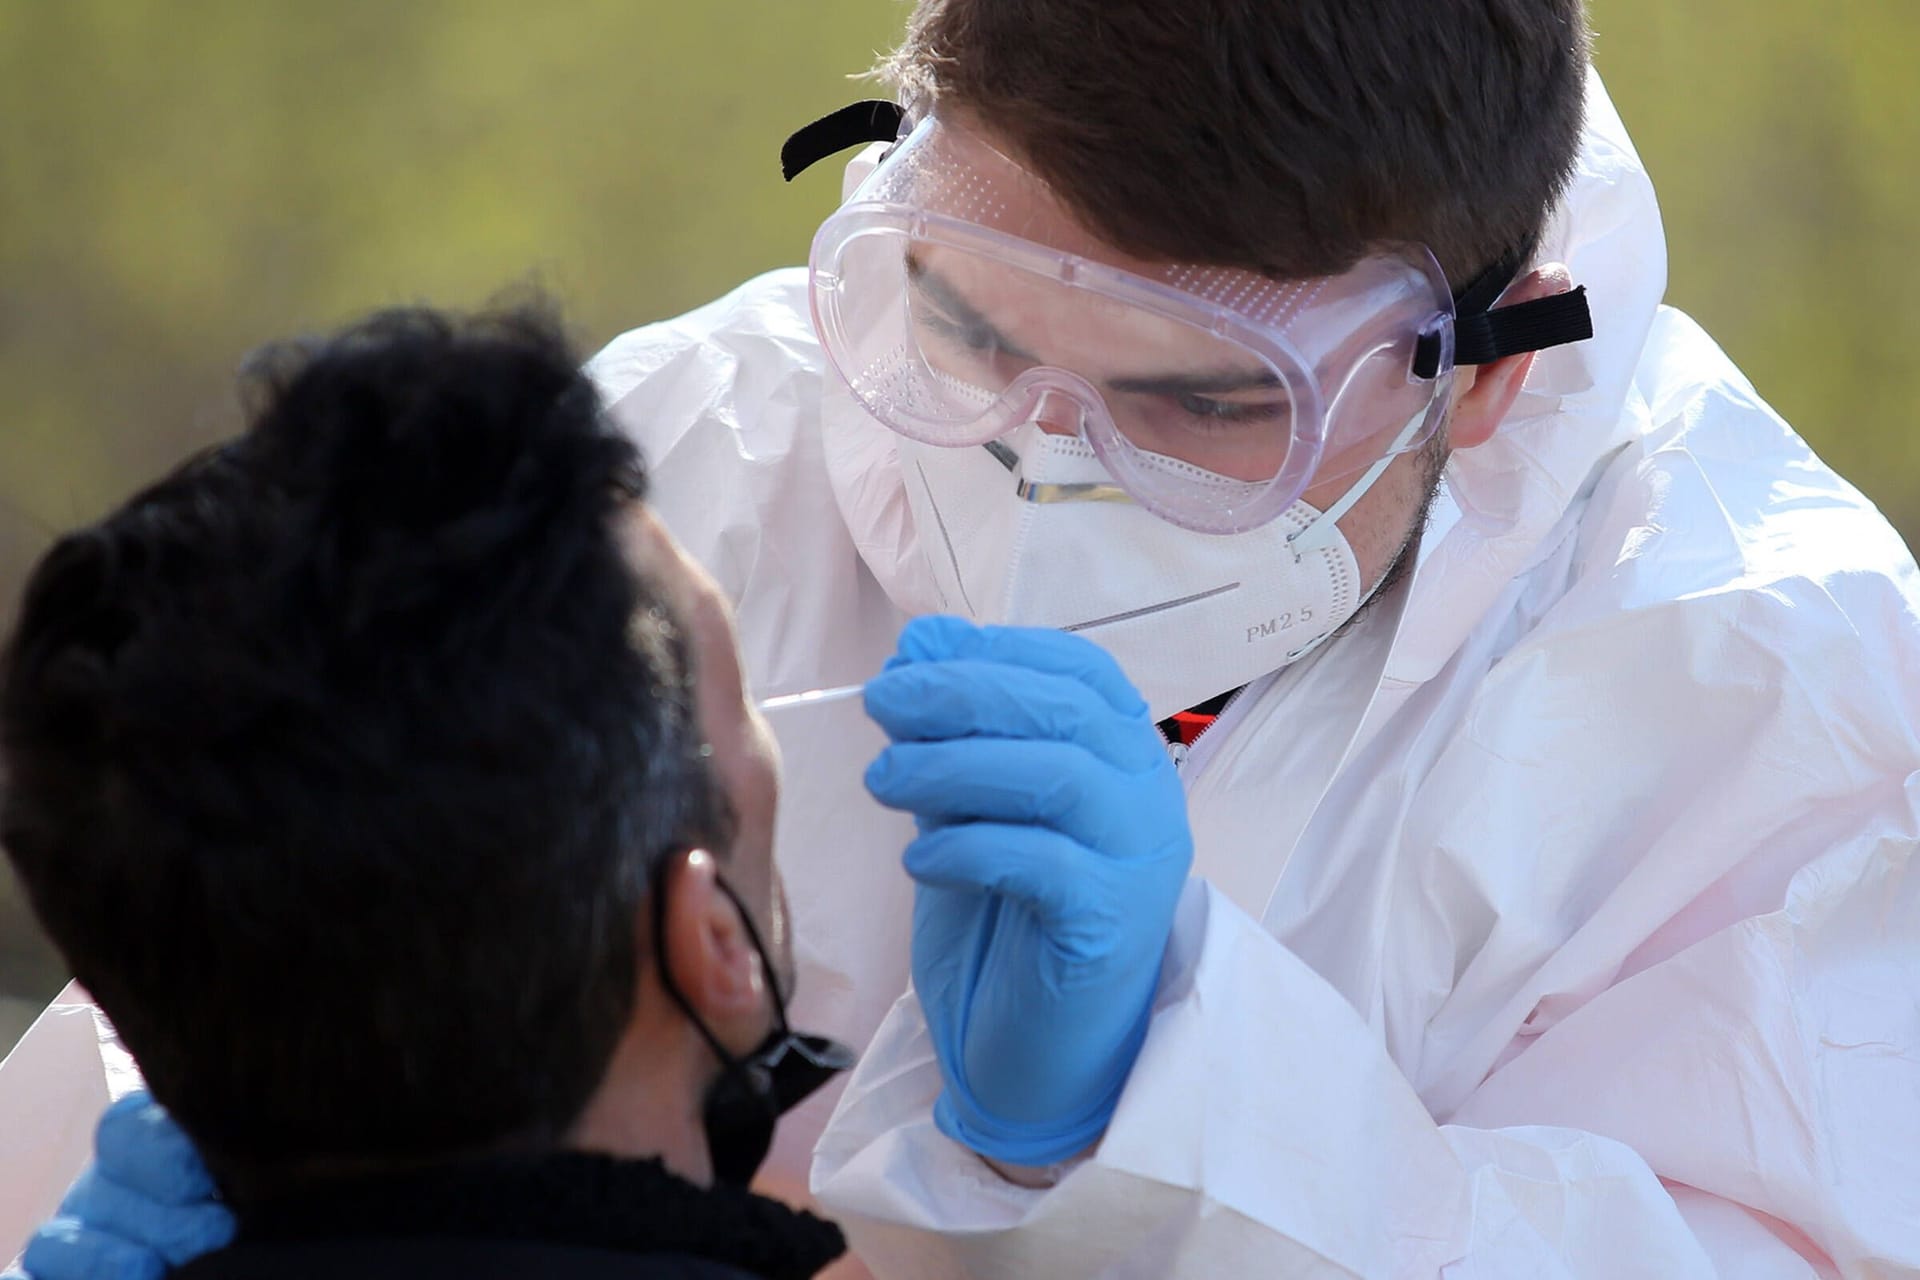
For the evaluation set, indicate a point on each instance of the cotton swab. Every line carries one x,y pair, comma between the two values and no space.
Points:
811,698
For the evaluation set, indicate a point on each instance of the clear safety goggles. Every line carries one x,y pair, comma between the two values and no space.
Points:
959,300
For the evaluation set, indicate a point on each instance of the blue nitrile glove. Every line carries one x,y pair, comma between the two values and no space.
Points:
1053,849
146,1203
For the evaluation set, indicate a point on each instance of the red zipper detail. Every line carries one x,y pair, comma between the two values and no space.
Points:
1191,726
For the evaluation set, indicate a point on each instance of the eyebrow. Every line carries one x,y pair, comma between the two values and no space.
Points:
945,294
1222,382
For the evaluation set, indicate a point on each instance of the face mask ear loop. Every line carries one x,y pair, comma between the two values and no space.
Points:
728,1059
777,998
1321,531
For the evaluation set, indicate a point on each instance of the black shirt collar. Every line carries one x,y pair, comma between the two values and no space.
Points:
571,1198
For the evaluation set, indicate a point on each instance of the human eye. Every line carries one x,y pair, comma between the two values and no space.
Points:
1209,412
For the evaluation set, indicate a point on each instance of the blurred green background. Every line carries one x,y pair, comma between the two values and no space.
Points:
181,180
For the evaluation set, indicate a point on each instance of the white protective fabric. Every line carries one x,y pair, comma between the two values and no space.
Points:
1558,920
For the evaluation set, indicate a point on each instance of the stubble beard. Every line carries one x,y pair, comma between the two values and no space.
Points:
1433,462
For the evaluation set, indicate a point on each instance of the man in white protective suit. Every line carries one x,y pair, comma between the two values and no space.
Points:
1545,710
1555,917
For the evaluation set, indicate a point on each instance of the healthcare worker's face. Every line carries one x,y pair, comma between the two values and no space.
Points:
956,294
745,761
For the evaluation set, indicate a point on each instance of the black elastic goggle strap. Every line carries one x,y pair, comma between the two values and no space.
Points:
1480,293
1483,334
851,126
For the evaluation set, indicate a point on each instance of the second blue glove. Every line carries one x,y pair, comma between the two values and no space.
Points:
146,1204
1054,845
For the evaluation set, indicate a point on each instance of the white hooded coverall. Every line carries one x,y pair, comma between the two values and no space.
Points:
1558,920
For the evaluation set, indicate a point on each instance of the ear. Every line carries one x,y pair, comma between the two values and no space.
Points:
714,961
1484,393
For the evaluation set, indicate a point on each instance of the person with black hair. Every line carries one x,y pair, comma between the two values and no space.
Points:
386,774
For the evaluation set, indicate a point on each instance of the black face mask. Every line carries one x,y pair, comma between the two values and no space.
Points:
750,1094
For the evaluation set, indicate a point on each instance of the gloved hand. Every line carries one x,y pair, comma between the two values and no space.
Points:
1053,849
146,1203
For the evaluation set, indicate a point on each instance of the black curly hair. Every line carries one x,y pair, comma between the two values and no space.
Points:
336,763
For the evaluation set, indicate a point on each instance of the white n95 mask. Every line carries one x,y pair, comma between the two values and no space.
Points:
1030,531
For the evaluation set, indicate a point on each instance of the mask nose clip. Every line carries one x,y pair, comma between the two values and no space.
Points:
1058,403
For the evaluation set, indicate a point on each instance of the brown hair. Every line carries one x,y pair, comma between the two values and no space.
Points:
1280,135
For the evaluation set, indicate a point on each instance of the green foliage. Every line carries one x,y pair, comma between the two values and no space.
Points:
1781,139
179,181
